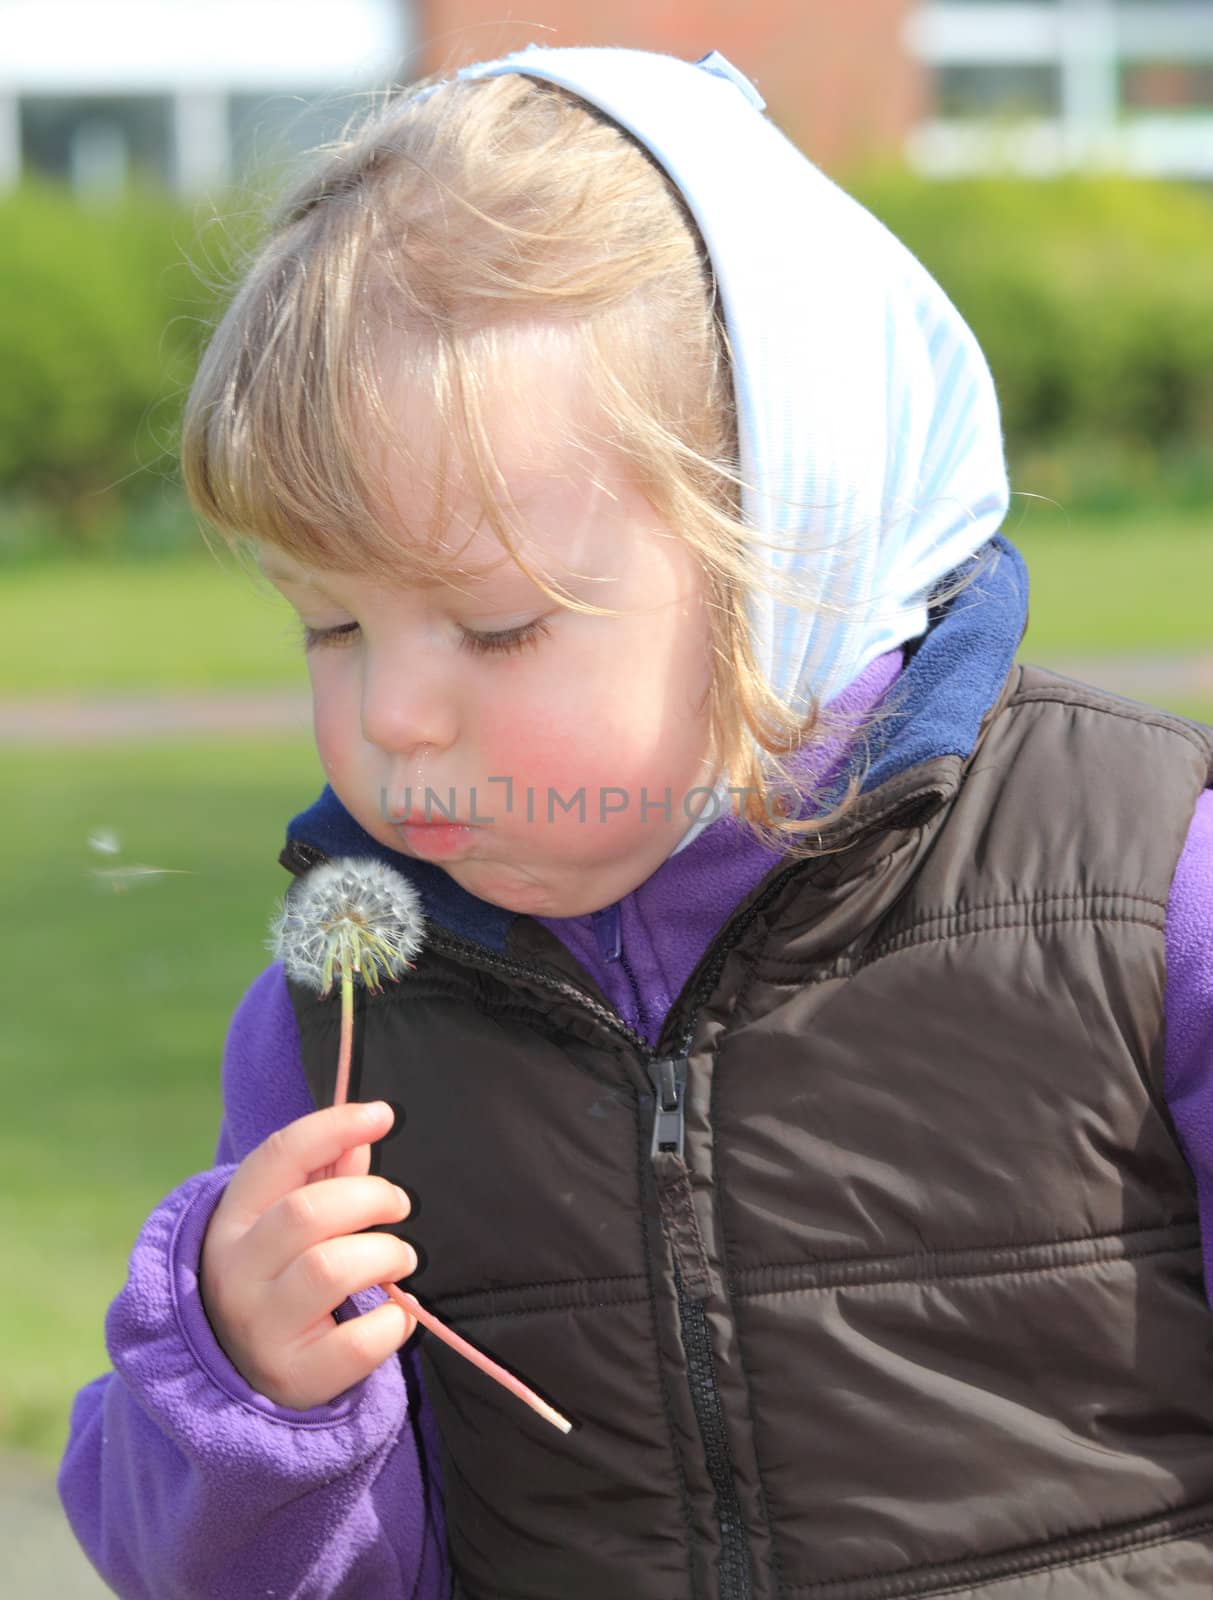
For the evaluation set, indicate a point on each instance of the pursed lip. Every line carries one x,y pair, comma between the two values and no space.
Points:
418,819
438,841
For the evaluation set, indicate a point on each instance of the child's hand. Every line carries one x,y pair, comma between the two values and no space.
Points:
282,1252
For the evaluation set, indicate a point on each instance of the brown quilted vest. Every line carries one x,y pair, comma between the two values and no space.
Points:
881,1275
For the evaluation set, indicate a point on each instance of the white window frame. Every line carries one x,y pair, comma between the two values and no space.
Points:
197,53
1087,41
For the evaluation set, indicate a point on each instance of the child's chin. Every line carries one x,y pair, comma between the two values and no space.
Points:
512,889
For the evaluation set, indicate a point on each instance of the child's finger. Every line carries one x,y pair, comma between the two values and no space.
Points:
287,1158
313,1213
355,1163
330,1365
321,1279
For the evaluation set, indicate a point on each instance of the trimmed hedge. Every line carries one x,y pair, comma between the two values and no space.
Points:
1090,296
98,331
103,311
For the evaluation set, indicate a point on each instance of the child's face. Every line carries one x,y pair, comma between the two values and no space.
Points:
616,707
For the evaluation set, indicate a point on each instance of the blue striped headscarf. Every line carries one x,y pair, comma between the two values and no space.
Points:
869,428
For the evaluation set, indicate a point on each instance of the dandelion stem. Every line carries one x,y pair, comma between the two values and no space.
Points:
427,1319
342,1089
345,1054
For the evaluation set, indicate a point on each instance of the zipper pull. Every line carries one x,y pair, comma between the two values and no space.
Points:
668,1076
673,1179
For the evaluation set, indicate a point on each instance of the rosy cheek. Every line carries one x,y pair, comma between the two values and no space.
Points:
525,752
553,763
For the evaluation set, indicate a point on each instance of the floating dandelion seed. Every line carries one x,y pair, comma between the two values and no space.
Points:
362,917
105,842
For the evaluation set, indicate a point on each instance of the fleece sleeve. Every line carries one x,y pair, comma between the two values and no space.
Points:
1189,1013
183,1483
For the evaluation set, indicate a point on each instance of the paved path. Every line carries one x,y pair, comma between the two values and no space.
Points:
1154,676
41,1559
73,719
83,719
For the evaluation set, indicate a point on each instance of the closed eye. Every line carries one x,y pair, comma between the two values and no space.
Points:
478,643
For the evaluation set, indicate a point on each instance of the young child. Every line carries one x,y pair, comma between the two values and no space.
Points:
783,1086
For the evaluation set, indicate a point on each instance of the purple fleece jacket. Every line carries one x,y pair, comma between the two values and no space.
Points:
182,1483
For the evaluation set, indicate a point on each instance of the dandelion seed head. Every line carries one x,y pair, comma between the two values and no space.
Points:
353,915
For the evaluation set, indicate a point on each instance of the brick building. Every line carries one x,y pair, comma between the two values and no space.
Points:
835,73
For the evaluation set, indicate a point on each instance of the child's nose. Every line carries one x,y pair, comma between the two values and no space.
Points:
405,707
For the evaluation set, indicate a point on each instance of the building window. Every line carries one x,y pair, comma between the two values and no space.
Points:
1005,89
98,143
1168,86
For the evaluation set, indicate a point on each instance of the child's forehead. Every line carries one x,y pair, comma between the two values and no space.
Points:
501,573
526,423
555,530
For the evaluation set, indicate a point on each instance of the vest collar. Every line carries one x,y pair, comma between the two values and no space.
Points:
955,677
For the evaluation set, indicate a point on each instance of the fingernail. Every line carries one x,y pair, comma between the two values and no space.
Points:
405,1202
373,1110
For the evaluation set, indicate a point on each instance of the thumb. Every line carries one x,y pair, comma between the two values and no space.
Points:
353,1162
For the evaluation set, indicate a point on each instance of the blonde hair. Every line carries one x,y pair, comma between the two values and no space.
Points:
452,224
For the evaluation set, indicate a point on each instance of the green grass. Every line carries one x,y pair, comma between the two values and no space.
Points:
1140,584
113,1036
189,623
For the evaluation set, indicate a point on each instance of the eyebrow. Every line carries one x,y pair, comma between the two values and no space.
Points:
505,572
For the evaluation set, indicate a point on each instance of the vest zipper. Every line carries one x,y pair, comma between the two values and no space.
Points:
693,1284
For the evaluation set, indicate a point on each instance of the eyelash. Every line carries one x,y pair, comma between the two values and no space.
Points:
480,644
